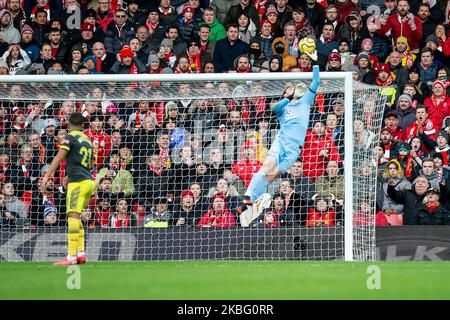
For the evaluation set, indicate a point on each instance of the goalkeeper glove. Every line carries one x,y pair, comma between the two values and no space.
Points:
300,90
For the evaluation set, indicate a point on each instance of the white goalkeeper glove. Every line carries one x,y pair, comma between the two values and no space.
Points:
300,90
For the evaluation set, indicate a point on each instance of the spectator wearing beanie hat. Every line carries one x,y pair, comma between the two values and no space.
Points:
440,146
28,44
185,213
367,47
402,47
334,61
368,75
381,44
186,23
405,112
438,104
432,42
386,83
127,63
422,90
166,53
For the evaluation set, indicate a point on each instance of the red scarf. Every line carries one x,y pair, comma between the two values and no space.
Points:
4,168
194,62
158,172
300,25
178,71
432,206
164,154
19,127
134,70
25,168
245,71
41,154
138,121
160,110
240,106
307,69
168,56
434,100
117,223
320,101
387,151
62,119
151,27
409,165
386,83
259,102
99,65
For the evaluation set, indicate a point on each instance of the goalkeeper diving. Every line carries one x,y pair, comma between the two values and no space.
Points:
293,115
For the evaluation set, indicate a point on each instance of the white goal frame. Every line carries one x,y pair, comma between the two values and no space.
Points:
348,104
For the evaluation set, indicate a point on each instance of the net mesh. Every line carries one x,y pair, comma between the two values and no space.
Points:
173,160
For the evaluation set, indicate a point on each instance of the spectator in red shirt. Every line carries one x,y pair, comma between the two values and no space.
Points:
422,125
100,140
322,215
403,23
218,215
318,149
438,104
248,165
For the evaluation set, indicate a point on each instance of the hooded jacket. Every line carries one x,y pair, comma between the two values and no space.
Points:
402,184
281,47
9,33
346,32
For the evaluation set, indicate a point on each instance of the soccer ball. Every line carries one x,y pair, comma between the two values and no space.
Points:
307,45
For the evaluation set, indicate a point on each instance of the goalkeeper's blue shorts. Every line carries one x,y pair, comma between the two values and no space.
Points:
284,152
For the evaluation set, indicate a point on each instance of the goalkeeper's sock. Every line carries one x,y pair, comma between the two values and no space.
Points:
73,236
80,246
257,186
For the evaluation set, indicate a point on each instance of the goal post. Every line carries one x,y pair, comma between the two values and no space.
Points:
345,230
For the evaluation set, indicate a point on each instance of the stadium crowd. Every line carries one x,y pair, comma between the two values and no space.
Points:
188,162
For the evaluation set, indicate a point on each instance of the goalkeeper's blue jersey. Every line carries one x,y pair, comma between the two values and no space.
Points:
294,118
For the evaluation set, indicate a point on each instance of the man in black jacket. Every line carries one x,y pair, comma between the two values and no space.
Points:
432,212
243,7
228,49
411,199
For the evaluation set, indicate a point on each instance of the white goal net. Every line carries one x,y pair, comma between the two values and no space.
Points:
174,155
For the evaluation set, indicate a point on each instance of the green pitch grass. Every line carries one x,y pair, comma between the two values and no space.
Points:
189,280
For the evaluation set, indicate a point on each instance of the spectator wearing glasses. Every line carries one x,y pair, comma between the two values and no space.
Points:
119,32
